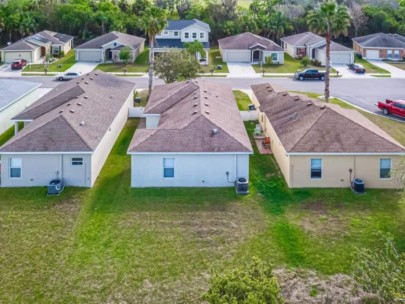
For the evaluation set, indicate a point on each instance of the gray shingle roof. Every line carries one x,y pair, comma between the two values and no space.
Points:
246,41
189,111
173,25
74,117
47,37
381,40
128,40
12,90
303,126
303,39
336,47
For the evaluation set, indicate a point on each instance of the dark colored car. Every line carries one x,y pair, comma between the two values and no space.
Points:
18,64
357,68
309,74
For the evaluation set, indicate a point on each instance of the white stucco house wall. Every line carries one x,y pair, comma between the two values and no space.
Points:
68,134
33,47
15,96
178,32
248,47
192,136
314,47
108,46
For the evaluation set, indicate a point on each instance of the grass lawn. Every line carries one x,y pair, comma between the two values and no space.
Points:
371,68
112,243
242,100
290,65
65,63
141,65
214,60
399,65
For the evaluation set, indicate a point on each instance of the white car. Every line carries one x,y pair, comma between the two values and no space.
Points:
68,76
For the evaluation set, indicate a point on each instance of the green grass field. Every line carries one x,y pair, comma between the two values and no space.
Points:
141,65
112,243
290,65
64,63
242,99
371,68
215,59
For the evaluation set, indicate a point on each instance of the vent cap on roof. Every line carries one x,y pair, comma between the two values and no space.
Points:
214,131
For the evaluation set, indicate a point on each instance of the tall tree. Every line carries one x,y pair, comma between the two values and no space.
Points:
330,20
153,22
194,47
359,19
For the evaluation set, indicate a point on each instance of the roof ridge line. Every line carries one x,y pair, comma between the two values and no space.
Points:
395,141
310,128
74,130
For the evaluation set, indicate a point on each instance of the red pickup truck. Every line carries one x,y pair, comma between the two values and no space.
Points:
393,107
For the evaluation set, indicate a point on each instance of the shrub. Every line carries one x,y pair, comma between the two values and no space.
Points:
403,59
61,54
305,61
316,63
253,284
381,271
358,56
268,60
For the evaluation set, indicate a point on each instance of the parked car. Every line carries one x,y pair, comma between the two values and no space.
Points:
357,68
68,76
18,64
309,74
392,107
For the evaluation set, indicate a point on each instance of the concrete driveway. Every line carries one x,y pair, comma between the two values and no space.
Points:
345,72
395,72
241,70
83,67
6,71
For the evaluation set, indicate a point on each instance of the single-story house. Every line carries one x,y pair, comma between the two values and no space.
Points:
248,47
178,32
380,46
314,46
68,134
318,145
33,47
108,46
15,96
192,136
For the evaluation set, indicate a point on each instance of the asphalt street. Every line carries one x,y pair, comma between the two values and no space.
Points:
363,93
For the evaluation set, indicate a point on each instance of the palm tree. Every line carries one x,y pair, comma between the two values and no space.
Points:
194,47
153,22
330,20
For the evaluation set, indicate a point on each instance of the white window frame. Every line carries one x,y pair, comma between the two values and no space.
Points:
77,161
165,166
194,35
187,35
389,173
274,54
202,35
165,33
310,166
176,33
11,167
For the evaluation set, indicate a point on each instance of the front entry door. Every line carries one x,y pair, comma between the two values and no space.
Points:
257,55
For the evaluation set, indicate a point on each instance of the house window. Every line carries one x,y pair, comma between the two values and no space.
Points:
274,56
77,161
385,168
168,167
202,35
15,167
186,35
194,35
165,32
176,34
396,54
55,50
316,168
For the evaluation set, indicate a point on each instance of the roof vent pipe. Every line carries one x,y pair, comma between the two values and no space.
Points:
323,107
214,131
82,123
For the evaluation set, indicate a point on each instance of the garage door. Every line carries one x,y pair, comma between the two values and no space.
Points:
373,54
92,56
10,56
237,56
341,58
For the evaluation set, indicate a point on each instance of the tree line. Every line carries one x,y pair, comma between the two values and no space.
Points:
86,19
